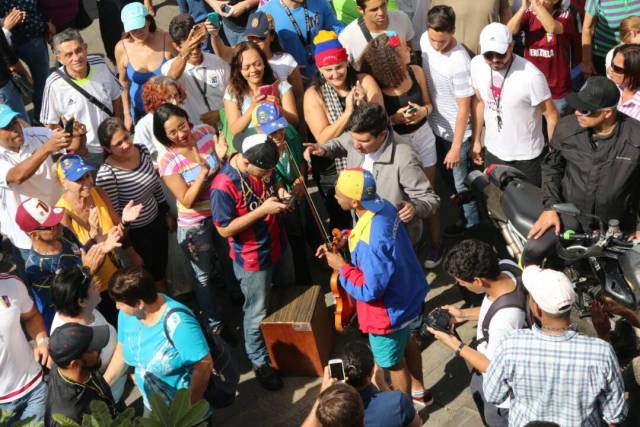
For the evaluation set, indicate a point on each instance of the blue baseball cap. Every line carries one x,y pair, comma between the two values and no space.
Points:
133,16
268,118
73,167
359,184
6,115
259,24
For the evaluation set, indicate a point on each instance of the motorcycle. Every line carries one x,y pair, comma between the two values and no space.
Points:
599,263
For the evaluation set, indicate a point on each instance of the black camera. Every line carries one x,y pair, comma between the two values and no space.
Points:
437,319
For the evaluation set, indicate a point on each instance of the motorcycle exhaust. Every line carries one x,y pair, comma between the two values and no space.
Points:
514,249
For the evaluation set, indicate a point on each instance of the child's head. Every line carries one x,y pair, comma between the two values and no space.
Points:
630,30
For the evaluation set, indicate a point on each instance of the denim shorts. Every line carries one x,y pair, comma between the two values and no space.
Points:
388,350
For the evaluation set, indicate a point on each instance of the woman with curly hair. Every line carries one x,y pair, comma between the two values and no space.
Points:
250,75
406,98
157,91
328,104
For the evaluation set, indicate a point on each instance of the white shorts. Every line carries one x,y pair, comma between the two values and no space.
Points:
423,142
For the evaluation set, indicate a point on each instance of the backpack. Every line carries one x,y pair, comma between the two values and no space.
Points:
516,298
224,379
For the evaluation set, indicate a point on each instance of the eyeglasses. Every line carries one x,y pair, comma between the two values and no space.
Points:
616,69
489,56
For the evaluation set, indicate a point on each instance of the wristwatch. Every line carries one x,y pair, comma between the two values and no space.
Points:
459,349
42,340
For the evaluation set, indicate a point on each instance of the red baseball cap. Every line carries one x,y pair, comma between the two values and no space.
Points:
33,214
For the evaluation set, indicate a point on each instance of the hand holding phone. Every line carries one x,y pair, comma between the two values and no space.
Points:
68,126
266,90
214,18
411,110
336,370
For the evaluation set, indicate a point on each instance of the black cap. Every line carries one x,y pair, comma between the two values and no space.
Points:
72,340
257,148
597,93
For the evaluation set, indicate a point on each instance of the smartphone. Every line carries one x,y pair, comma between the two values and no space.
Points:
336,369
266,90
227,9
68,126
214,18
411,110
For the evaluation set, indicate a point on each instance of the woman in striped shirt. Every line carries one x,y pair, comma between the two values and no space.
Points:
192,158
128,174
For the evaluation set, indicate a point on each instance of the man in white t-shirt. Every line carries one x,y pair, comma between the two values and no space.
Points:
512,95
23,393
203,75
474,265
446,64
26,170
375,20
90,73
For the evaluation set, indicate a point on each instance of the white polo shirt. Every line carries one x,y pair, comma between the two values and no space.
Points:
42,185
208,79
518,96
20,372
61,99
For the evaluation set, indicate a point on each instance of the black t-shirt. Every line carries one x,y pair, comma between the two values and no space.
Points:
7,58
72,399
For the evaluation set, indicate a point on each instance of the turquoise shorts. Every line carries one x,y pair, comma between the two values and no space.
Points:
388,350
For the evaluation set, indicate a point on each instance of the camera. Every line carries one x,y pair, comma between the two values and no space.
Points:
437,319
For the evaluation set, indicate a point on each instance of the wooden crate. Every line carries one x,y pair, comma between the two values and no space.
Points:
298,332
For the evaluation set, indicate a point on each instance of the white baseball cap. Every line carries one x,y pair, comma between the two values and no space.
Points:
495,37
550,289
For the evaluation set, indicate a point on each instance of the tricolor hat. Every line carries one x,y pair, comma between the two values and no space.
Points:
268,118
328,50
73,167
33,214
359,184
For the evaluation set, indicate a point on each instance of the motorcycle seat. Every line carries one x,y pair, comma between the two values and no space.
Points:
522,203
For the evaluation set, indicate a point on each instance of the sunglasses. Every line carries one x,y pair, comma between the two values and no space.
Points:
46,228
616,69
489,56
589,112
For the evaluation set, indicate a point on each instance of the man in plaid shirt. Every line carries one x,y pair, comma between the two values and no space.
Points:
551,372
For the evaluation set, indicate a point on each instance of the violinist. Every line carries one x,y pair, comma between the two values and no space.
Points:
384,276
245,206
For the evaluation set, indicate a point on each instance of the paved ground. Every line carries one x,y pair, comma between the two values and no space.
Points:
446,376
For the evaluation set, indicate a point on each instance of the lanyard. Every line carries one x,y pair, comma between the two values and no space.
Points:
203,89
305,42
497,100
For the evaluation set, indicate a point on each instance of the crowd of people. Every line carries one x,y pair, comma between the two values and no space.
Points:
192,148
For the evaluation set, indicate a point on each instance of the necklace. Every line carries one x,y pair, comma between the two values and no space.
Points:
500,89
247,190
571,326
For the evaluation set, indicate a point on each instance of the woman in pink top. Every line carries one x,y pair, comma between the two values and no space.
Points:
193,156
625,72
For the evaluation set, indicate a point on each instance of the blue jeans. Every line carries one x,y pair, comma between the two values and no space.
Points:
256,287
197,243
233,37
455,178
36,54
10,95
33,404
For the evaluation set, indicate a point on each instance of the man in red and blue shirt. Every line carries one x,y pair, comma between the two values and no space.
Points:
245,210
385,276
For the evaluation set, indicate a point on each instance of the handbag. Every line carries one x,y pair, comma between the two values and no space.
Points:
25,87
224,379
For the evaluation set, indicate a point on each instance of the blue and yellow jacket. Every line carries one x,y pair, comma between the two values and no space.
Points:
385,276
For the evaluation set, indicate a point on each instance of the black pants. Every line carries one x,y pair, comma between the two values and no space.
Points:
531,168
152,243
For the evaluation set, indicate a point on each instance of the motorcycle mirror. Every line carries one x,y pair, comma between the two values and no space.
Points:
567,209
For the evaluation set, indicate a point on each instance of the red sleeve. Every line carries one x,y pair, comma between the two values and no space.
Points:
525,23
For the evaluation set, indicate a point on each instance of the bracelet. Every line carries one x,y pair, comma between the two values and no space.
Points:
459,349
42,340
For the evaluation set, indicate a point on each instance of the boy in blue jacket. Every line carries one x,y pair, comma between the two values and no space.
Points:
385,276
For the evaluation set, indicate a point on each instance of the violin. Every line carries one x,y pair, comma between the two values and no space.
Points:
345,304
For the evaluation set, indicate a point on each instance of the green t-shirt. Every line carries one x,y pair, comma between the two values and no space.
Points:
609,14
347,10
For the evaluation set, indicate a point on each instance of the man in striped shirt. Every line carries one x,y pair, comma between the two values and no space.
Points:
601,31
446,65
551,372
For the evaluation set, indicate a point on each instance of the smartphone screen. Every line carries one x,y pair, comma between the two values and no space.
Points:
68,126
336,368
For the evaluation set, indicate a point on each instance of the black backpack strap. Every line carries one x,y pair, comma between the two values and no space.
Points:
365,31
164,322
514,299
86,94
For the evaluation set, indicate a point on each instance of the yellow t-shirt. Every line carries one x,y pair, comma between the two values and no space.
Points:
81,231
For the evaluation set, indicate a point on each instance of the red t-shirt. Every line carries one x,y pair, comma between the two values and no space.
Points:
551,53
